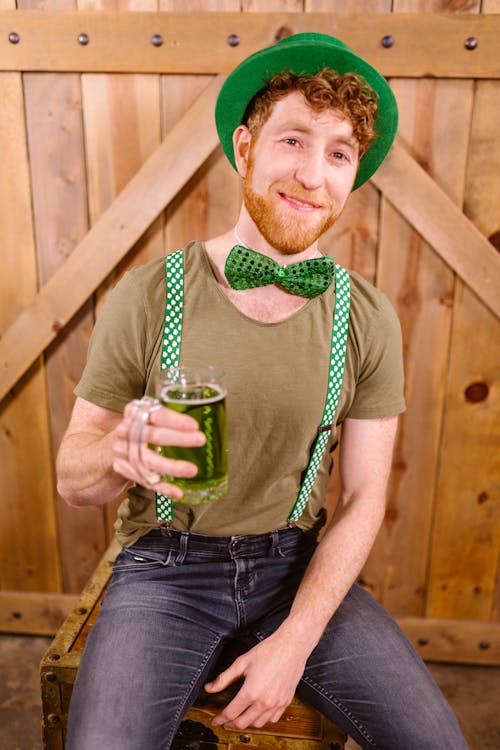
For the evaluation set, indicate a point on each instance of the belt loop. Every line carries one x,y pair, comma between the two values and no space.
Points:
183,546
275,544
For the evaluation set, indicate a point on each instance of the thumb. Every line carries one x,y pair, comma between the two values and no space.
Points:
225,679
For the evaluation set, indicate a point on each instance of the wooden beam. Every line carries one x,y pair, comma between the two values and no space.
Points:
441,223
460,641
33,612
425,44
186,147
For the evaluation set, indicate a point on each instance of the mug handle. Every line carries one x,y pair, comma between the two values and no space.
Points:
143,407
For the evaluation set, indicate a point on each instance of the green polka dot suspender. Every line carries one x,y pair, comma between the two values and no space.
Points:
172,333
335,377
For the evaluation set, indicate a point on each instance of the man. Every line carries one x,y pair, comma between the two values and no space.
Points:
304,122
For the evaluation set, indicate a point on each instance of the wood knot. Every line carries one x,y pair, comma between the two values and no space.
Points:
495,240
282,33
391,515
476,392
482,498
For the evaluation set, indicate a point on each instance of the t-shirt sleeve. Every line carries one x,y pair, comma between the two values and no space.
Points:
380,382
115,372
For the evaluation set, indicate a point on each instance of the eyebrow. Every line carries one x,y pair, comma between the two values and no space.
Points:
350,141
301,128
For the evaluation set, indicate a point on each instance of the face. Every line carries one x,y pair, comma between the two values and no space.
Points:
299,172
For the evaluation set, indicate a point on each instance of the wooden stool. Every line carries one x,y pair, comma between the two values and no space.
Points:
300,727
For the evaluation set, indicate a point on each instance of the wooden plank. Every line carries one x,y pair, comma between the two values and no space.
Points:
454,641
210,201
425,44
466,535
27,516
441,223
34,613
464,585
122,129
55,138
353,240
421,288
120,226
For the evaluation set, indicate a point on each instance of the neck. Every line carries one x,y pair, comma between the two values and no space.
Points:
254,240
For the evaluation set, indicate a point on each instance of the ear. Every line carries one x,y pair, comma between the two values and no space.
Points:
241,146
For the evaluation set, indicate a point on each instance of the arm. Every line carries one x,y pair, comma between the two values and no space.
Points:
92,464
273,668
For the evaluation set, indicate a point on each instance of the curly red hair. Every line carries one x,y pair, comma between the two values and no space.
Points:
349,93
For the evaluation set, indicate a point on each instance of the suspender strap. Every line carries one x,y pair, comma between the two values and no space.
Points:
174,268
172,332
335,378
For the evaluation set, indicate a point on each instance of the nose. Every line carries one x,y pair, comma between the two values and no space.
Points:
309,170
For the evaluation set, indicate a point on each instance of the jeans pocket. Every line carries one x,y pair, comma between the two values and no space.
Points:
136,558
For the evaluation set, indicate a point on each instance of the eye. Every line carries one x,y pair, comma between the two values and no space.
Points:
291,141
338,155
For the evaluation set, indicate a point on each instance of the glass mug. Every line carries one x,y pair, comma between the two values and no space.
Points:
200,393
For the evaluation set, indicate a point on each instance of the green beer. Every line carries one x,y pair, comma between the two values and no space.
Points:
205,402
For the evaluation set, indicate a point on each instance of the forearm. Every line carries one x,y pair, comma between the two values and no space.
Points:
85,470
335,566
365,461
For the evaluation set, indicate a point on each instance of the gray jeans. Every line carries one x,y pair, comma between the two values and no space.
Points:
177,599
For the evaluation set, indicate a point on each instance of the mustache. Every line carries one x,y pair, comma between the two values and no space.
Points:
308,196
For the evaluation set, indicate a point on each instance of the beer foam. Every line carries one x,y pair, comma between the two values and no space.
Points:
220,393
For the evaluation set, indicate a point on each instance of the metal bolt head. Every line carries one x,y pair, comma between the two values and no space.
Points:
53,719
81,611
245,738
233,40
157,40
83,39
14,38
54,657
50,676
484,645
471,43
387,41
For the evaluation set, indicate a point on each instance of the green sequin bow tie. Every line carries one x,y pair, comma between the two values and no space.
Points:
246,269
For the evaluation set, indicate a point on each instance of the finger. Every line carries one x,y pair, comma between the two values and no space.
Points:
173,419
276,716
164,416
168,436
254,716
225,678
174,467
125,469
152,461
243,712
232,711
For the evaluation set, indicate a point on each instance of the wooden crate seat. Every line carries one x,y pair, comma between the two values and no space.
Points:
300,728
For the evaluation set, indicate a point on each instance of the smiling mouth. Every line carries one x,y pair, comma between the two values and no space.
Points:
300,205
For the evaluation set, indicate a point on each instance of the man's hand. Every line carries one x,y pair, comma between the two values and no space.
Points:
164,427
272,670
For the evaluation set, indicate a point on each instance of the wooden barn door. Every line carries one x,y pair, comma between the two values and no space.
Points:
110,158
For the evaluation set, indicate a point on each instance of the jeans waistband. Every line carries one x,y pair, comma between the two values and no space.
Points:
271,544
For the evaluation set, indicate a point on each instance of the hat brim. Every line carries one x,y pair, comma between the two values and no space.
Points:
306,54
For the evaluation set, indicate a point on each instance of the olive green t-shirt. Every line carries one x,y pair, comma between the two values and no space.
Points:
276,376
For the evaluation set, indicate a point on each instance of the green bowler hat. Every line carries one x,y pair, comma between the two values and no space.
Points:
305,54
